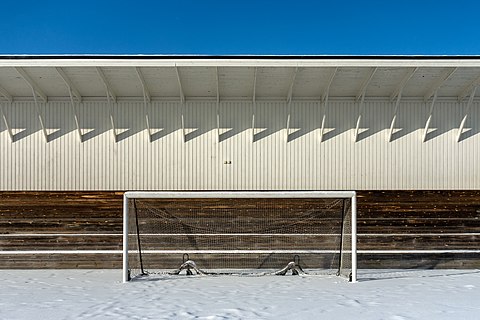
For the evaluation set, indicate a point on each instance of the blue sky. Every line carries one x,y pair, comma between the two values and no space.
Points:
241,27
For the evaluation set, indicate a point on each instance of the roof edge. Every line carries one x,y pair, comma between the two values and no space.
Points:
232,57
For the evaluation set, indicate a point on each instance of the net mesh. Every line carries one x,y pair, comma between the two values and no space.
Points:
239,236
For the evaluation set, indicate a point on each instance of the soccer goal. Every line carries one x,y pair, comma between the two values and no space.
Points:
239,233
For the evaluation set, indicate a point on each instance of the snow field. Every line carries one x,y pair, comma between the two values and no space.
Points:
379,294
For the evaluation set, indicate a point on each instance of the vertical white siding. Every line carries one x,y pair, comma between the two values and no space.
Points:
232,161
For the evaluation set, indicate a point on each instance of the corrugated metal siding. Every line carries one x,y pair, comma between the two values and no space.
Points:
267,162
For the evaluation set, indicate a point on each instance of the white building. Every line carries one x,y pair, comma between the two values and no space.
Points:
161,122
373,124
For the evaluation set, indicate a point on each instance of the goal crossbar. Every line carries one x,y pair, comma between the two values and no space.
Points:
245,195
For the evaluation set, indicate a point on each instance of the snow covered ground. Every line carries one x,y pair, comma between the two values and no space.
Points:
379,294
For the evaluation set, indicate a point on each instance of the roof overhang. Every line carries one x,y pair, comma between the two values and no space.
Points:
237,77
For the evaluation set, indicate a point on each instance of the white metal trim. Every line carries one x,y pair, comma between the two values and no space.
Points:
238,251
247,62
125,239
354,237
240,194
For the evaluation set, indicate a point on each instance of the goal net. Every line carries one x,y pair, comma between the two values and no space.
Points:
239,233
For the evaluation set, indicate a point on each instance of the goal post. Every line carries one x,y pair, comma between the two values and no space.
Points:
210,232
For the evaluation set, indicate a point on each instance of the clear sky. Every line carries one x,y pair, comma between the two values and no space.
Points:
226,27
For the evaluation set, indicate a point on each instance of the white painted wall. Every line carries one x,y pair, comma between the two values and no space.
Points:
269,163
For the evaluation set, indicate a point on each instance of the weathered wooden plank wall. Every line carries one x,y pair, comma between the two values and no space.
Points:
396,229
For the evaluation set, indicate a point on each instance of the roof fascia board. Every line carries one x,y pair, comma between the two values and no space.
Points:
252,62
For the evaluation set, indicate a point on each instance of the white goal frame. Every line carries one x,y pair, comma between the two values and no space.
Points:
239,194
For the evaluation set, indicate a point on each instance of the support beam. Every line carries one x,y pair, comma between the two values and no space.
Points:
469,105
108,88
399,89
147,118
112,119
468,89
218,104
32,84
324,99
427,125
4,116
292,83
110,96
146,92
74,110
254,102
182,100
40,116
397,93
6,95
361,97
69,83
366,82
146,99
180,87
392,125
446,74
72,91
289,101
359,119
